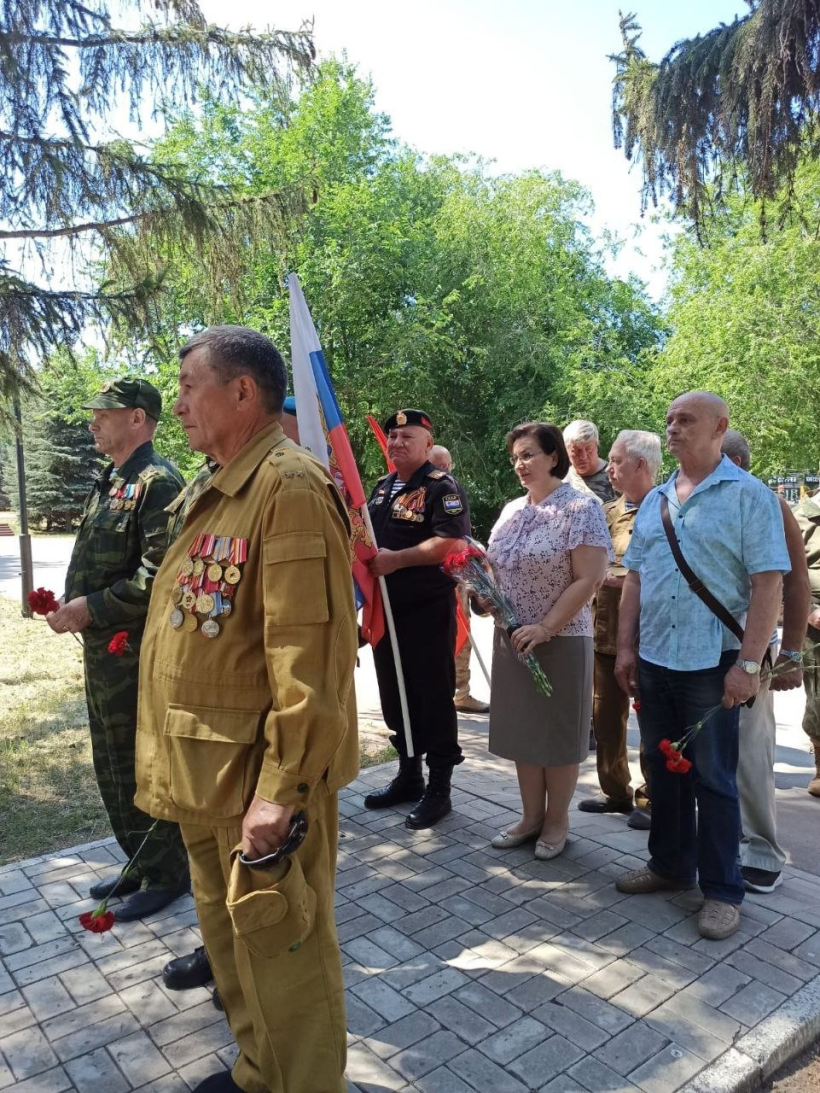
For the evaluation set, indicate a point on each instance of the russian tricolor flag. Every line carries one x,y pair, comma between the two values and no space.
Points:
322,431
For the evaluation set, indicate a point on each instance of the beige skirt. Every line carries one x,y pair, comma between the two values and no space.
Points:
525,725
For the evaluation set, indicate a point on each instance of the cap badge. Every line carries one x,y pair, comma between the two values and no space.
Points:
105,387
401,418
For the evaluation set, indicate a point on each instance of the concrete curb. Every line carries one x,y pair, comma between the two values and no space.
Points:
756,1056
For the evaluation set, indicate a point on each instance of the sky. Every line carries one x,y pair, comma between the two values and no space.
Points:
524,83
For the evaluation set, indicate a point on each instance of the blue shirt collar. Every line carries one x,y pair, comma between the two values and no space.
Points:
725,471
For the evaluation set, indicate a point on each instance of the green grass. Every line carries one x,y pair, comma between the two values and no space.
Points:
48,792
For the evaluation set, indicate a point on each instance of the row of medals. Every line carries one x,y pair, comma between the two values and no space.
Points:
187,601
123,496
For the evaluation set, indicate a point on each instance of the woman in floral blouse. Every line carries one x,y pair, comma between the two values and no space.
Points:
549,551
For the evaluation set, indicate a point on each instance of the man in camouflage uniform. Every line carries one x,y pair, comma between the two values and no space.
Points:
807,514
120,543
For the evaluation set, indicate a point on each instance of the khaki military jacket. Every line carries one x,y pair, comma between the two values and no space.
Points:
620,521
267,704
807,514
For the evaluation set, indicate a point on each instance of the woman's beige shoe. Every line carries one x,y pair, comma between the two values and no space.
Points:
505,841
546,851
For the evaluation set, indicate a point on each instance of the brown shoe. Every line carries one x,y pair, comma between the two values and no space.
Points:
468,704
717,920
639,881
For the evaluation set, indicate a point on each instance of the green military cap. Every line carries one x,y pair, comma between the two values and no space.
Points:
127,393
408,417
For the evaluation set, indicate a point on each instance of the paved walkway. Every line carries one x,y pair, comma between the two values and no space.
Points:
469,970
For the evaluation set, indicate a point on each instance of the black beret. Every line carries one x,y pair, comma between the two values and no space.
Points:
408,417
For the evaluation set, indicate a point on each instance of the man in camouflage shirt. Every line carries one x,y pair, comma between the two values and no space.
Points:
120,543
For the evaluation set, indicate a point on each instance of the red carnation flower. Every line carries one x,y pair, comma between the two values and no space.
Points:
97,924
665,748
42,601
678,766
636,705
119,643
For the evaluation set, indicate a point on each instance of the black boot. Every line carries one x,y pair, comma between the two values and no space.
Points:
408,785
435,803
193,970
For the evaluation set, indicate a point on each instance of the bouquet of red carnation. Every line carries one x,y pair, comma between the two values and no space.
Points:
119,644
471,568
42,601
672,750
672,753
101,919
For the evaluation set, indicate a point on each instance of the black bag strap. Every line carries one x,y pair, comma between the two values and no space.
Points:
695,583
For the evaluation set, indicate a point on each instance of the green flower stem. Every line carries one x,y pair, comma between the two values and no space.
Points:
103,906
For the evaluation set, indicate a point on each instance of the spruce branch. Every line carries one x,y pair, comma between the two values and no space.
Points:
738,101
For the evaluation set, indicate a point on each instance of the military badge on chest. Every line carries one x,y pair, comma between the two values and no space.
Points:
207,582
410,506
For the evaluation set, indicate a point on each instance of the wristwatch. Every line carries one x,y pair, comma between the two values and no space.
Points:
749,666
793,655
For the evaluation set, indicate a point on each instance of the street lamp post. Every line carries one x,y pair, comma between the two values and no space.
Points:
26,567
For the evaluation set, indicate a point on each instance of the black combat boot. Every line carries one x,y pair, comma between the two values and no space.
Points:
408,785
435,803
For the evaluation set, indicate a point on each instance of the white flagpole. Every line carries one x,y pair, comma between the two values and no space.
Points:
479,658
394,642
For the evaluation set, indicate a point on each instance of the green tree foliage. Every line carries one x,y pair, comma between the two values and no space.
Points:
745,316
741,96
433,282
60,458
75,193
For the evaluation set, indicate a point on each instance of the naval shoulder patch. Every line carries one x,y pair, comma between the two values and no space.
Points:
452,503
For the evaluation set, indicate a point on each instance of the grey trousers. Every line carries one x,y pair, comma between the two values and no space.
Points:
759,848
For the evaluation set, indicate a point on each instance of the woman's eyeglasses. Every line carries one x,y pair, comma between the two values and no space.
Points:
524,457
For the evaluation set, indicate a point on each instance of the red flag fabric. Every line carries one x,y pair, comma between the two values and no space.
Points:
463,627
381,440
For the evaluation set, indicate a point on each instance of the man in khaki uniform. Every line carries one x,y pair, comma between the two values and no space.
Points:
465,702
633,465
247,714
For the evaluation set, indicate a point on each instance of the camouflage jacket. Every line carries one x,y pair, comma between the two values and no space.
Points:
122,539
807,514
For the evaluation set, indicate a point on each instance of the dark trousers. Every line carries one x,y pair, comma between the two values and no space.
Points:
685,843
427,638
111,696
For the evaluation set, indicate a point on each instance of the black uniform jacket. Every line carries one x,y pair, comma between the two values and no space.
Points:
431,503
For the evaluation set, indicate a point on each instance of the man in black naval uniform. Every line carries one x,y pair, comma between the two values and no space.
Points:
420,514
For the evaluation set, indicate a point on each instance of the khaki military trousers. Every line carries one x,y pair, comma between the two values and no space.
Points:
610,714
286,1012
811,681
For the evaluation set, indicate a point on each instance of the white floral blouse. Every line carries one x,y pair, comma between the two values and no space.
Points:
530,548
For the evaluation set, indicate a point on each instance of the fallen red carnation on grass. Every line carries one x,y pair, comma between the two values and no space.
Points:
97,924
119,643
42,601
